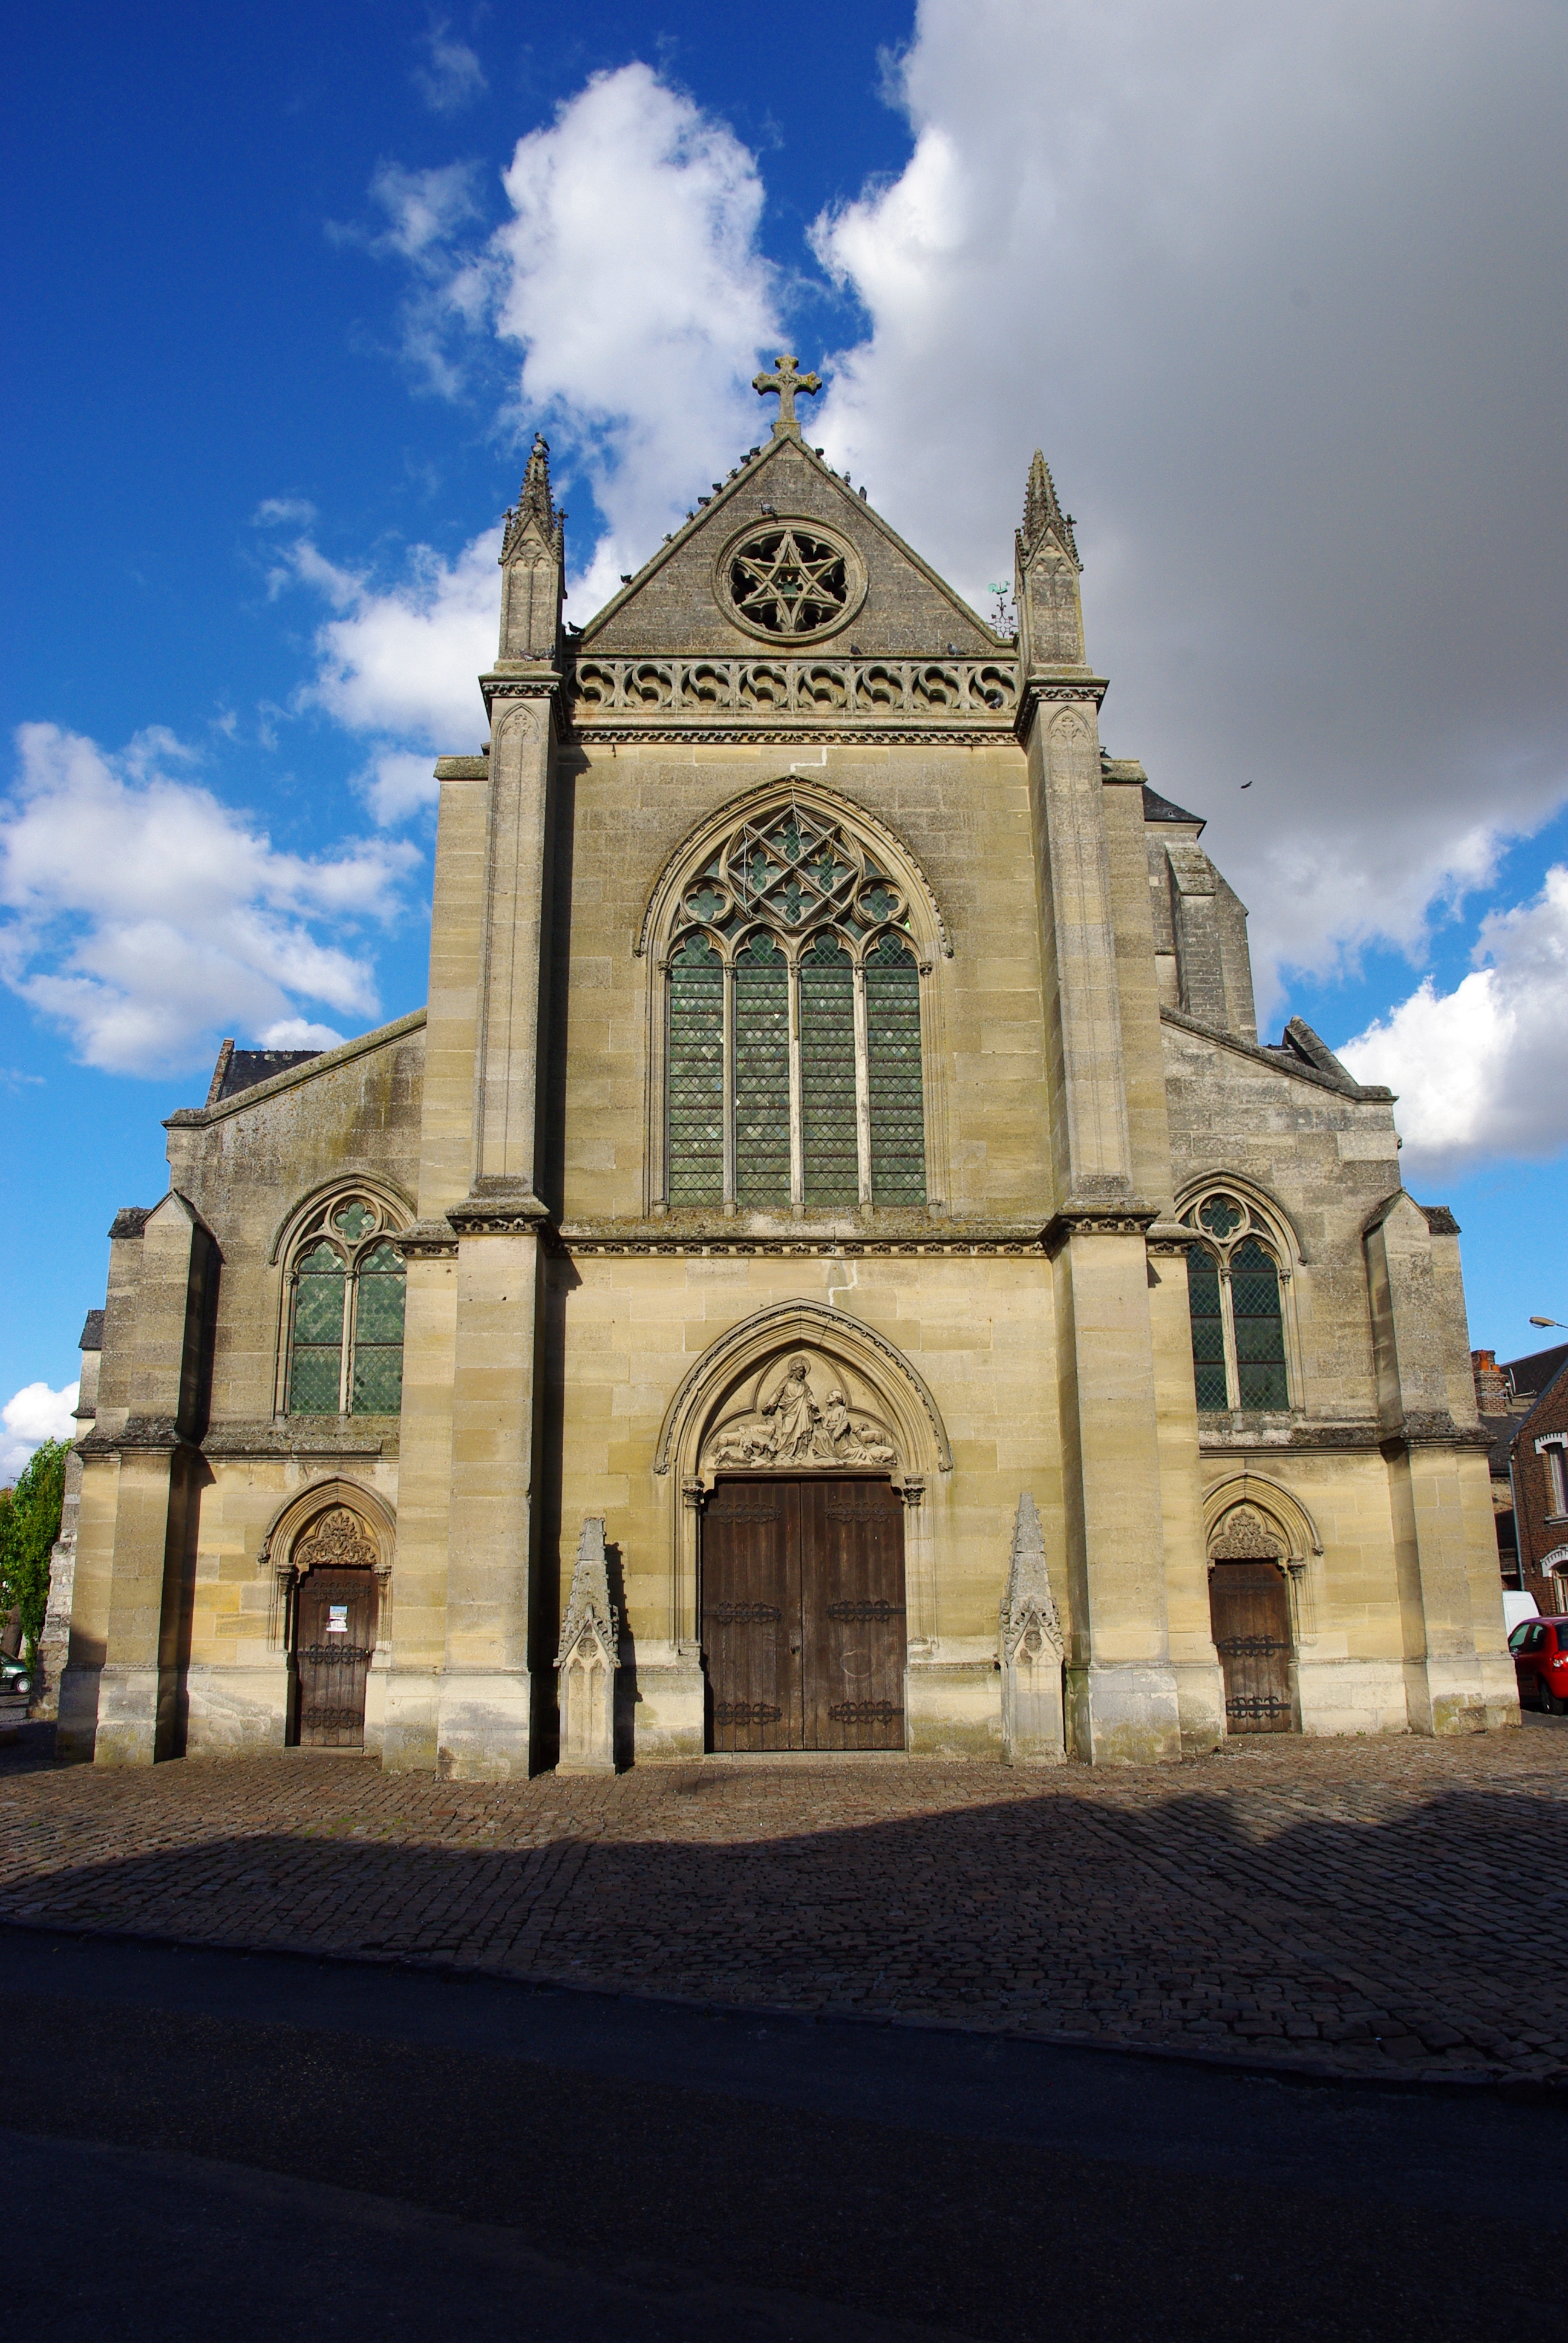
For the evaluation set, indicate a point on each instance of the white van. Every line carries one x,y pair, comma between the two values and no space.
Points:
1516,1606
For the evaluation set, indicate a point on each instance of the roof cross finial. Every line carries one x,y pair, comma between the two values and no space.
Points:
785,380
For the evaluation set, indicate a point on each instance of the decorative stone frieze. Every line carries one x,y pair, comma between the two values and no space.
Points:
744,698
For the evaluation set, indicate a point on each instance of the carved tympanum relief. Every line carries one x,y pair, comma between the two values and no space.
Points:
1245,1536
336,1540
801,1414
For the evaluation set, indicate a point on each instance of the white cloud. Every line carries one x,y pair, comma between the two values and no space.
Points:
299,1033
629,275
1482,1072
144,915
453,76
398,666
31,1416
1277,291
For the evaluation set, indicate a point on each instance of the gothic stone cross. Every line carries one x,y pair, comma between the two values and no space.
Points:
785,381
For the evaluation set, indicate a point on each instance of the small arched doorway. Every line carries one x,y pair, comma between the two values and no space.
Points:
336,1605
1250,1613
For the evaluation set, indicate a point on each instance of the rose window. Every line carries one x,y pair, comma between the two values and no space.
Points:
790,581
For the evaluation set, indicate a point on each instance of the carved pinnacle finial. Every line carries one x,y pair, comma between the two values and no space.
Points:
1042,513
536,505
589,1606
1028,1602
786,379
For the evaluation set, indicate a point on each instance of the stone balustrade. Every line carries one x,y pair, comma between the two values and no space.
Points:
624,691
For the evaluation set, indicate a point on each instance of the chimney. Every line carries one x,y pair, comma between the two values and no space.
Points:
1491,1391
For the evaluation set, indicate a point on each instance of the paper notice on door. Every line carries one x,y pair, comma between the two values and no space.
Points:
337,1618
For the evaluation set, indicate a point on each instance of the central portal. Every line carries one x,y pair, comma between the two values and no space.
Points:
803,1613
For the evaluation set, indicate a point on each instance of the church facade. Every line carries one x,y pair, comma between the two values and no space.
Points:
832,1267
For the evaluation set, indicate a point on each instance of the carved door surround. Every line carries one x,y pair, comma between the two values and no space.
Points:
801,1389
333,1528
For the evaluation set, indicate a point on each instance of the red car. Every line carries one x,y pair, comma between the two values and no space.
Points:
1540,1649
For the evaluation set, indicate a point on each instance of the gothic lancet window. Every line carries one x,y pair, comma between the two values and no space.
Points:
793,1064
1238,1322
345,1313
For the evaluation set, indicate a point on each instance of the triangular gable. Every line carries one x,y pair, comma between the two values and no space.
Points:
673,605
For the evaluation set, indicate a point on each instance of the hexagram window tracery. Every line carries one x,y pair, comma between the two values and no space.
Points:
793,1040
789,581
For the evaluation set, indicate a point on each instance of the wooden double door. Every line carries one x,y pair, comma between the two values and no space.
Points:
803,1613
1250,1610
334,1642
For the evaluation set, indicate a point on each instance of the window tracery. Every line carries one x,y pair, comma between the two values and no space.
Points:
786,578
793,1045
346,1296
1237,1317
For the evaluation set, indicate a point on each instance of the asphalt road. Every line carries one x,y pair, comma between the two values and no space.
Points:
249,2146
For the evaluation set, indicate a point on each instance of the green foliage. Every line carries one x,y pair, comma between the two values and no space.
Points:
29,1524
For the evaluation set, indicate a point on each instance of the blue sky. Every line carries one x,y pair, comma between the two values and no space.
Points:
288,297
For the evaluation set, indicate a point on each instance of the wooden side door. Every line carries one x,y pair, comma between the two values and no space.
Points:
751,1614
1252,1621
852,1614
335,1638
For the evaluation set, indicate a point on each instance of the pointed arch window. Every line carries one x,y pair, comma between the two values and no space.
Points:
1238,1319
345,1313
792,1041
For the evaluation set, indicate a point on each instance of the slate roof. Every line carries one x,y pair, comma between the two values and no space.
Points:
92,1331
1158,809
241,1070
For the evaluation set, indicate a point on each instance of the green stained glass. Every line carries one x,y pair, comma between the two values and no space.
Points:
695,1074
827,1073
1208,1330
893,1049
1221,1216
378,1298
1260,1328
377,1379
316,1351
354,1221
762,1074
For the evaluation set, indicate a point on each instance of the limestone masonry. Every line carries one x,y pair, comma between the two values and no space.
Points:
832,1267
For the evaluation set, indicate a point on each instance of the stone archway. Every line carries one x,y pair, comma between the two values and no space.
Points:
1250,1616
330,1550
804,1398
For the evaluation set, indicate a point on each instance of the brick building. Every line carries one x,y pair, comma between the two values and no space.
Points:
1523,1404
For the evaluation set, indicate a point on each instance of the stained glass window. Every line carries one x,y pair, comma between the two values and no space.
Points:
346,1315
797,919
1233,1288
893,1049
1260,1330
696,1073
761,1073
316,1363
828,1072
1208,1328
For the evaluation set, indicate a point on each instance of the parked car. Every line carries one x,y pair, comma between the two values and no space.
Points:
15,1692
1540,1649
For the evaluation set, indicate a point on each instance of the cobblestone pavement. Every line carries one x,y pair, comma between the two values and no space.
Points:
1366,1907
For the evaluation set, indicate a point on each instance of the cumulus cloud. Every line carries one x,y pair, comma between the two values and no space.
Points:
1276,291
1482,1072
31,1416
299,1033
396,665
143,916
629,275
451,76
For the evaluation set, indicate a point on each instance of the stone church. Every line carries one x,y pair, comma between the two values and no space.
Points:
830,1268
